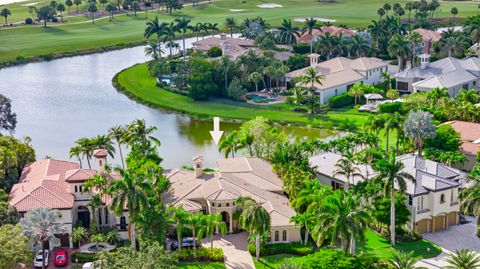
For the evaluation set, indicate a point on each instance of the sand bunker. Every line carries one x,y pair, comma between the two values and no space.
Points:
317,18
30,4
237,10
271,5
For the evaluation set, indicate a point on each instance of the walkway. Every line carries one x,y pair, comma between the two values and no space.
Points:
234,249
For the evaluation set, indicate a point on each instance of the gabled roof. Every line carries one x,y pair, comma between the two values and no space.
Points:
469,134
428,35
333,30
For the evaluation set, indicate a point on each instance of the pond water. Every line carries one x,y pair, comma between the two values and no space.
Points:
59,101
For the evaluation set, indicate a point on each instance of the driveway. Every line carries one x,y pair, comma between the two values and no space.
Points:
234,249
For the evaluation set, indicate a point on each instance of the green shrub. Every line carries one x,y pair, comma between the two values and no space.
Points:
341,100
214,52
301,48
235,90
202,254
82,257
28,21
295,248
335,259
390,107
46,57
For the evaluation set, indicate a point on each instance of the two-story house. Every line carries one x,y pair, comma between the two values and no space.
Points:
432,198
59,185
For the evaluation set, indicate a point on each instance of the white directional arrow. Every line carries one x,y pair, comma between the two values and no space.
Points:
216,133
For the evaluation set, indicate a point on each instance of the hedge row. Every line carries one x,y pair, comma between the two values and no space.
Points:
295,248
341,100
214,254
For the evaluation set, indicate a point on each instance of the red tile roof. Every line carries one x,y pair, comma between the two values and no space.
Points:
469,134
428,35
333,30
100,153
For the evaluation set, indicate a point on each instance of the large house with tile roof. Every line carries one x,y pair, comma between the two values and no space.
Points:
332,30
428,38
450,73
432,199
470,138
59,185
341,73
218,192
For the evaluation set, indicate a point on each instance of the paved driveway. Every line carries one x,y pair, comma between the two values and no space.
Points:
235,250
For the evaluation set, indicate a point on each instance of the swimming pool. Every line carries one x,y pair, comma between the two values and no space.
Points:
259,98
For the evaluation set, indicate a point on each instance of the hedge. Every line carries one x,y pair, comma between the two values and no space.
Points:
295,248
341,100
83,257
390,107
205,254
335,259
301,48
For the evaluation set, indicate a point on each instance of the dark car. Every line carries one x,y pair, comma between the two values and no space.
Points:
187,242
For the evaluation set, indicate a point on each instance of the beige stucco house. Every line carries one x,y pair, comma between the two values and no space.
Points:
217,192
432,199
59,185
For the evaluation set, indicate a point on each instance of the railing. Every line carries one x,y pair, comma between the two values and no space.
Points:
421,211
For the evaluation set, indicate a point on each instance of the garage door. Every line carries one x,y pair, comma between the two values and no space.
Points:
439,222
452,218
422,226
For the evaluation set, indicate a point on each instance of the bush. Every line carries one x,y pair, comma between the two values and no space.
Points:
335,259
295,248
46,57
301,48
236,90
390,107
297,61
82,257
300,109
341,100
202,254
28,21
214,52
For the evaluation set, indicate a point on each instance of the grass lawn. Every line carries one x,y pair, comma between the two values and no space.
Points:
201,265
273,261
79,34
137,83
378,246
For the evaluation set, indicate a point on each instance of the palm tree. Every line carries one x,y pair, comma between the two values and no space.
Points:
403,260
308,27
5,13
454,11
182,26
76,151
154,27
169,34
470,198
390,175
78,234
129,192
463,259
342,218
298,96
375,124
419,126
356,91
288,33
254,219
230,25
312,77
381,12
41,225
104,142
118,133
61,9
399,46
138,133
154,49
85,146
325,45
345,166
110,8
178,217
256,78
359,46
414,38
92,8
209,224
303,220
392,122
193,222
454,44
230,144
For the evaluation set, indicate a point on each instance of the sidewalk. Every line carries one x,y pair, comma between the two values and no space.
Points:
234,249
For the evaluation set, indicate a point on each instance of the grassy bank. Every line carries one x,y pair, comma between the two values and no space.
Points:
136,83
79,34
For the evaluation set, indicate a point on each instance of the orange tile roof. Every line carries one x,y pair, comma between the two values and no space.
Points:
469,134
428,35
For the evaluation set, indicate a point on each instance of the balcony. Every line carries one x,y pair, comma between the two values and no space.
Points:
421,211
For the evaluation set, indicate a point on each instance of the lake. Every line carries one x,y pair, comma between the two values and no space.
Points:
59,101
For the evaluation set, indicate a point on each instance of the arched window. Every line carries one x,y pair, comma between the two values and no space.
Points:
123,223
213,204
284,235
442,198
228,204
277,236
76,189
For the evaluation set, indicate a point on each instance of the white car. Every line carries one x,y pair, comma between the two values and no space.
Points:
39,258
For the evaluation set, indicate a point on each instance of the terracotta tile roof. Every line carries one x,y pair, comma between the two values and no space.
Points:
428,35
469,134
100,153
333,30
209,42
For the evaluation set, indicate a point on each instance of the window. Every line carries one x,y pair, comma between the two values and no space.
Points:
423,44
228,204
410,200
219,205
106,215
80,188
336,92
100,162
442,198
284,235
213,204
451,195
277,236
76,189
100,216
420,203
123,223
465,86
336,185
474,82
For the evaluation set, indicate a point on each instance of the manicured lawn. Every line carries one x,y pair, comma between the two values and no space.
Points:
201,265
377,246
138,83
77,36
273,261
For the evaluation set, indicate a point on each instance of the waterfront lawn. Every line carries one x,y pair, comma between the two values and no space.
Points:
273,261
137,83
379,247
79,34
201,265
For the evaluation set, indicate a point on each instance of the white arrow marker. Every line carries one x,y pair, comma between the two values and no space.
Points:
216,133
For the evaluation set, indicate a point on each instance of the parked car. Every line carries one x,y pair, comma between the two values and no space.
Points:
187,242
39,259
60,258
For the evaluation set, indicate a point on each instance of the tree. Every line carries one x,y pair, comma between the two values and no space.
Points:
398,46
303,220
69,4
118,134
454,44
130,192
254,219
41,225
154,27
92,8
209,224
61,9
390,175
236,90
298,96
256,78
8,214
5,13
356,91
77,3
454,11
381,210
14,155
78,234
230,25
15,247
200,79
193,222
359,46
140,136
33,12
8,119
178,217
288,33
110,8
392,122
102,4
381,12
463,259
345,166
342,218
419,126
309,25
387,7
403,260
230,144
471,197
97,238
169,34
85,147
312,77
414,38
182,26
135,7
392,94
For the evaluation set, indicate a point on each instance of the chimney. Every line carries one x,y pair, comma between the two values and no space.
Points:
101,158
198,166
424,60
313,59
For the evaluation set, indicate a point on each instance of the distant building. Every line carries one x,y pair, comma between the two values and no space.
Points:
428,38
342,73
432,199
332,30
450,73
470,136
218,192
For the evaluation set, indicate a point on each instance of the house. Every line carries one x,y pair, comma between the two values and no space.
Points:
218,192
432,199
341,73
235,47
59,185
470,137
332,30
450,73
428,38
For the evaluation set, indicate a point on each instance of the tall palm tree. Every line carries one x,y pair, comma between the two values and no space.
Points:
104,142
211,223
288,33
182,26
325,45
414,38
470,198
118,133
463,259
454,44
153,49
403,260
419,126
356,91
399,46
342,218
129,192
308,27
359,46
193,222
139,133
392,122
311,77
375,124
86,146
77,152
254,219
154,27
230,144
169,34
390,175
256,78
345,166
41,225
303,220
230,25
178,217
